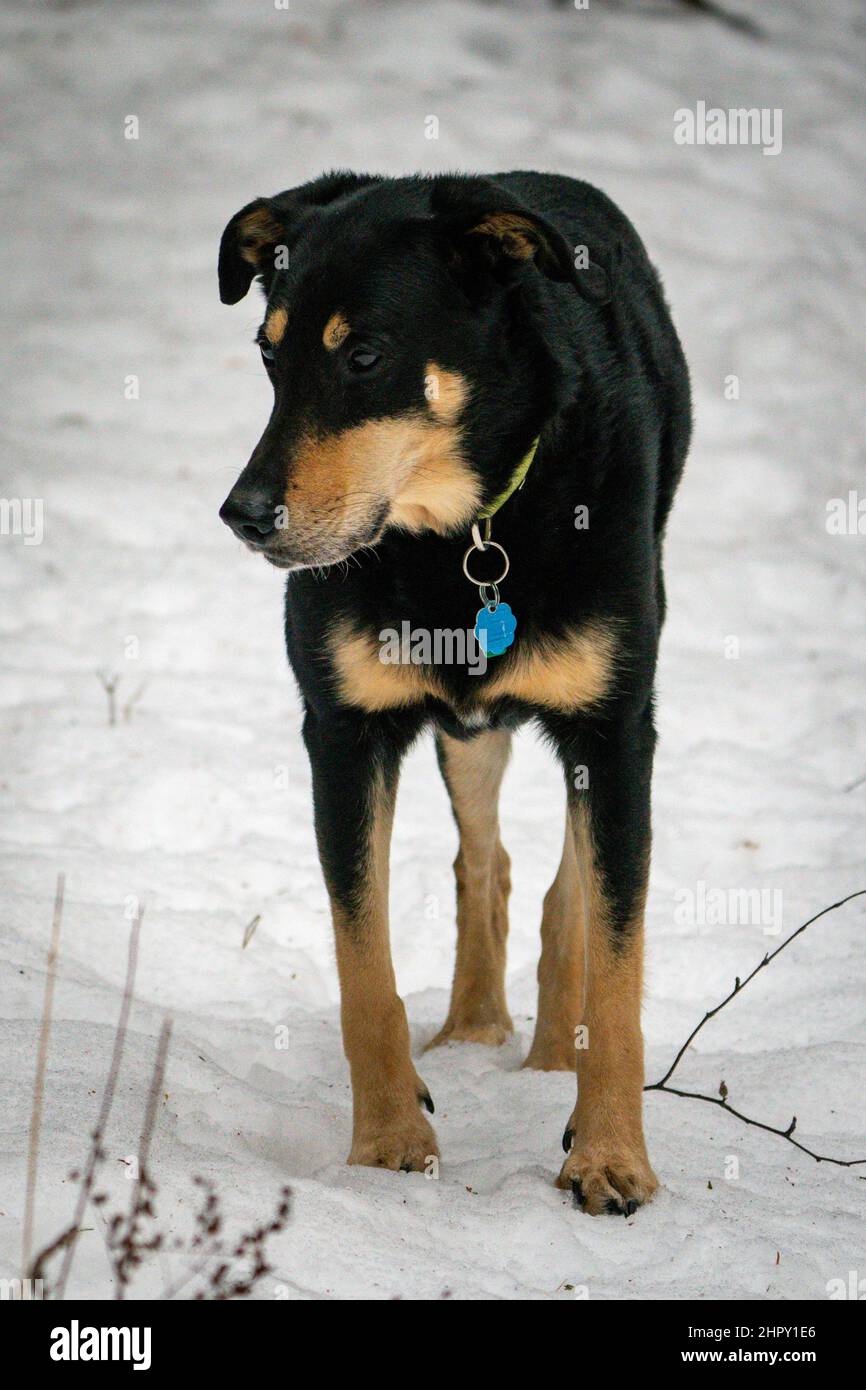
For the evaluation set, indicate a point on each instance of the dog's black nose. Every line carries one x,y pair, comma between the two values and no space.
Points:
251,516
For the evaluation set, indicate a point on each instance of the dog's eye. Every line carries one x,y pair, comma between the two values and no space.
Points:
267,353
362,359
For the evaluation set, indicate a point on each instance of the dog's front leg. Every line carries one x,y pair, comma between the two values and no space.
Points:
355,762
607,1165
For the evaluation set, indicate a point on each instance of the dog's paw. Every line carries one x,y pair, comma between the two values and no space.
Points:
607,1178
407,1145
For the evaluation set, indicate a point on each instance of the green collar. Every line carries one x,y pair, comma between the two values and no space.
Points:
516,480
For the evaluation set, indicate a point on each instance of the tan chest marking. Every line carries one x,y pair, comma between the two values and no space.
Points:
568,673
365,681
564,673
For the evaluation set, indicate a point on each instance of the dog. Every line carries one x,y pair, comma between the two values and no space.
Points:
453,356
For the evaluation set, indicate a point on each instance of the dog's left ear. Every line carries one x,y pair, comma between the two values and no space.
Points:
248,247
505,233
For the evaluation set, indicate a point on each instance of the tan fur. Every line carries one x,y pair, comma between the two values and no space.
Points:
517,236
567,673
275,326
256,231
560,968
367,682
608,1155
452,391
473,775
338,482
336,332
388,1128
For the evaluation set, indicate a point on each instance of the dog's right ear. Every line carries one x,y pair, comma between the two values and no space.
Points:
254,238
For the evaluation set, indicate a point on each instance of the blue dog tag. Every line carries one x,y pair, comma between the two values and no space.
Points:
495,629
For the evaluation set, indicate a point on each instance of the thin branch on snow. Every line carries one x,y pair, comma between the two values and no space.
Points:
126,1239
109,684
227,1270
722,1098
97,1152
250,930
133,700
39,1084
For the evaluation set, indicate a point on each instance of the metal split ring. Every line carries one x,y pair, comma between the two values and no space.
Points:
485,582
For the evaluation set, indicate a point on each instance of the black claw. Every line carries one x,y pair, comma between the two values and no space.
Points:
630,1207
405,1167
613,1208
426,1099
577,1192
567,1138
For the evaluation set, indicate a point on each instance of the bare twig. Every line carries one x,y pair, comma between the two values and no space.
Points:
97,1152
722,1098
228,1270
109,684
741,984
65,1239
156,1084
250,931
125,1236
133,700
759,1124
39,1084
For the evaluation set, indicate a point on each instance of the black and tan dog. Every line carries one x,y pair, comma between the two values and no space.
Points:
433,342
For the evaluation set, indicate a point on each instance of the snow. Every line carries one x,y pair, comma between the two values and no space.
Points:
198,804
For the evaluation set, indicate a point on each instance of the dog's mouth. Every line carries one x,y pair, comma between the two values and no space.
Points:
293,552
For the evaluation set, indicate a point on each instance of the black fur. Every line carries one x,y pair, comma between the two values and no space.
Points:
587,359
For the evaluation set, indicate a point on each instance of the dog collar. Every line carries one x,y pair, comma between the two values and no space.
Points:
495,624
516,480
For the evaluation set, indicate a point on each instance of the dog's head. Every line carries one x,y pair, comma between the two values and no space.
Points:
402,342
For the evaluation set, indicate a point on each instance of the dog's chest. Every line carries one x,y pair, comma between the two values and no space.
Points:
566,672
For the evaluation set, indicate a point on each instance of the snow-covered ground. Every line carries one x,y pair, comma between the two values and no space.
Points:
198,804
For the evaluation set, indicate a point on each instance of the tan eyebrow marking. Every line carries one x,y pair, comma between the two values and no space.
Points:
275,326
336,332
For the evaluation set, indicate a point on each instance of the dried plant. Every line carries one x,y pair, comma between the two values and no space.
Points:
132,1237
721,1098
39,1084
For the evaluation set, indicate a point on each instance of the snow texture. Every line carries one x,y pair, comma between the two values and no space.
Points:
198,804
